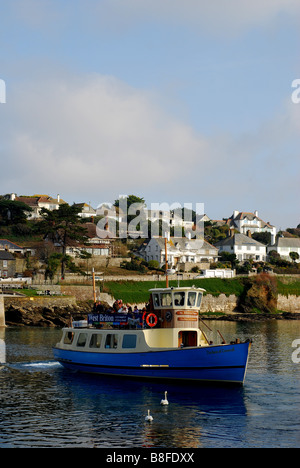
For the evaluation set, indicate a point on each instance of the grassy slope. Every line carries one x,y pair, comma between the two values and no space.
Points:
132,292
137,292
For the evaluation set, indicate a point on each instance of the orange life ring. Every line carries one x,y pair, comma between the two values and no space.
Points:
150,323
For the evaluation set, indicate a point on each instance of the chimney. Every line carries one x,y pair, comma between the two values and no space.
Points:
58,198
249,233
256,213
235,214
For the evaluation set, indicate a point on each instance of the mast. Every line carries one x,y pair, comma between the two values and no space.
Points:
166,256
94,286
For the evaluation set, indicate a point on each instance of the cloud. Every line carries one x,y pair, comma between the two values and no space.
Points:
90,137
93,137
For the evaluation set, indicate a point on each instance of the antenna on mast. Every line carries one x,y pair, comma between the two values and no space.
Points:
167,237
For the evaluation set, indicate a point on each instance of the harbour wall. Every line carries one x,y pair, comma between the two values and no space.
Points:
39,302
289,303
229,304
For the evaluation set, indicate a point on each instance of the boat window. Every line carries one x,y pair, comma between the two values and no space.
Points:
81,340
68,338
156,300
95,340
111,341
192,299
179,298
129,341
166,300
199,300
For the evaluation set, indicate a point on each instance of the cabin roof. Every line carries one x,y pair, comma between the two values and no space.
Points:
177,289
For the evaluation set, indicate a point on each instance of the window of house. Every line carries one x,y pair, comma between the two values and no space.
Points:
95,340
81,342
129,341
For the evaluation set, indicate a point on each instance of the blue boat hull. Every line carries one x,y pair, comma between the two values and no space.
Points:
224,363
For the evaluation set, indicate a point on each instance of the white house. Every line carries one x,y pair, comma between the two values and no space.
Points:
284,246
37,202
180,251
95,245
244,222
86,210
244,247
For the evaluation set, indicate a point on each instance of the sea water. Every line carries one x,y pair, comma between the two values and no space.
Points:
44,405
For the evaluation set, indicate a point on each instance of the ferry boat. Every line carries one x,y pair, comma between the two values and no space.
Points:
165,343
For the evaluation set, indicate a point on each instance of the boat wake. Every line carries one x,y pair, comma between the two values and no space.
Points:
32,366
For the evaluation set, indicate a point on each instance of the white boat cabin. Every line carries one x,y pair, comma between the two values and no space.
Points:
171,322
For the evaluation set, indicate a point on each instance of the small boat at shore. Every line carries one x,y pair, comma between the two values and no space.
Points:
166,343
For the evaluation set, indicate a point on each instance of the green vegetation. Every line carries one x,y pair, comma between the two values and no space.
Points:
132,291
287,289
257,294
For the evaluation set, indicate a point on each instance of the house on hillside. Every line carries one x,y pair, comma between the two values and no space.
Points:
7,264
96,246
11,247
37,202
244,247
244,222
183,253
284,246
86,210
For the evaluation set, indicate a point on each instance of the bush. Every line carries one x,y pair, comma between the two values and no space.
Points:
134,265
153,265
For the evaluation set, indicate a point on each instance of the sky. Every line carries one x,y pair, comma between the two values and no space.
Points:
175,101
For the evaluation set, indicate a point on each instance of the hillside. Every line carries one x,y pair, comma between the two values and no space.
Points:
137,292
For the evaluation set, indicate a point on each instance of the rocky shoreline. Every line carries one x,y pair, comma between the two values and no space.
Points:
46,317
59,317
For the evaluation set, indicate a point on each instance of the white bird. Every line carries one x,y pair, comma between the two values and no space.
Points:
164,402
149,418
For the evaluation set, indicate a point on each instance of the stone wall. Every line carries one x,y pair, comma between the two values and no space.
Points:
289,303
32,302
225,304
220,303
81,293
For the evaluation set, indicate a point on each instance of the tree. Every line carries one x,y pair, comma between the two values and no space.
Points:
263,237
63,227
294,256
13,212
229,257
53,263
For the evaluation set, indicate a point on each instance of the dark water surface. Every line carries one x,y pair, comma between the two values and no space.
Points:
43,405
